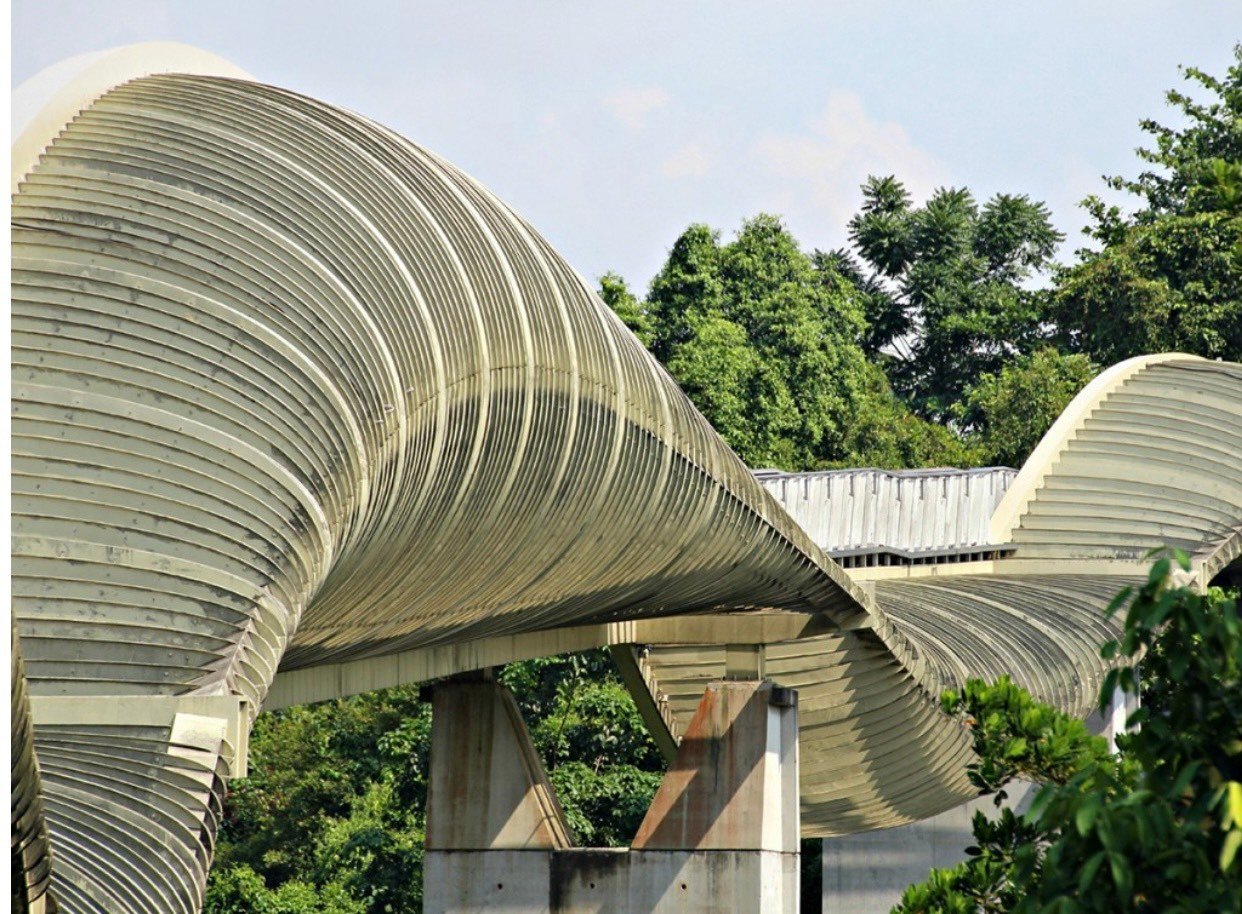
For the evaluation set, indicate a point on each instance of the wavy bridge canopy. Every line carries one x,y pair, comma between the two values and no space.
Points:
277,369
290,392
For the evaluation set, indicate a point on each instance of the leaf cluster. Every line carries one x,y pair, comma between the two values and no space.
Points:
946,286
1168,277
1156,828
599,754
1010,411
331,819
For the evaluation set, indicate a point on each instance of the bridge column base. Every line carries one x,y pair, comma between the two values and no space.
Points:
721,834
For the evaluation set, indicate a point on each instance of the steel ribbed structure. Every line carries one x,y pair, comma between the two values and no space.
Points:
291,392
1148,456
290,389
31,855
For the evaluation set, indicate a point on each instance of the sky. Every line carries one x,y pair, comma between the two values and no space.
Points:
611,127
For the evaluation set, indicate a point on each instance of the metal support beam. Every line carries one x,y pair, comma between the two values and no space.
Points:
197,722
654,711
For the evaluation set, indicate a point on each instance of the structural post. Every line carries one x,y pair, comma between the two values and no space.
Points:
492,818
721,834
724,825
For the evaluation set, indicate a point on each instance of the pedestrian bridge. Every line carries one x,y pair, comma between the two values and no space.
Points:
302,410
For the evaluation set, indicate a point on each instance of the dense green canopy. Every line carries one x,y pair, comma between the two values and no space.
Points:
769,343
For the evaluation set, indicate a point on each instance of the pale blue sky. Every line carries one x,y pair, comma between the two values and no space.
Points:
612,126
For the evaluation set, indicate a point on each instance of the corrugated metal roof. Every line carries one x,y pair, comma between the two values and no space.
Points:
910,513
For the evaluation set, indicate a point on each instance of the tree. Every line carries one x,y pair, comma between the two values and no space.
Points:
885,433
945,286
1155,829
1009,412
764,342
617,296
1168,276
767,342
331,818
240,890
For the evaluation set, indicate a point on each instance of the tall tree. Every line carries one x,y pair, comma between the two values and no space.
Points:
768,343
946,286
763,341
1009,412
1169,275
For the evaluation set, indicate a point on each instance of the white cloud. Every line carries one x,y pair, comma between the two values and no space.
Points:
821,169
631,106
690,161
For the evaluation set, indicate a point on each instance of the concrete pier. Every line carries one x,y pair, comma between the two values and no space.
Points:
721,834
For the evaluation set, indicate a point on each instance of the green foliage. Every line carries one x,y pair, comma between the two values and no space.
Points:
762,340
729,382
240,890
946,296
1017,737
1190,164
375,854
1154,829
331,819
887,434
604,805
617,296
601,759
768,343
1169,276
1174,285
1009,412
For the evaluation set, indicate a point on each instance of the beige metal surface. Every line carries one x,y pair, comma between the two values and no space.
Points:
292,392
351,677
132,812
288,389
371,386
44,104
1156,461
31,855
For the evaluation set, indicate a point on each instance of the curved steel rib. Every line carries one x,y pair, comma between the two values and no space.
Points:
291,391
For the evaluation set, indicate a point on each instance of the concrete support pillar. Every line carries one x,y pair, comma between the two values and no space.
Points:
721,834
492,817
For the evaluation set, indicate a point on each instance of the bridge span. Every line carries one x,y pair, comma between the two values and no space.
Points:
301,410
